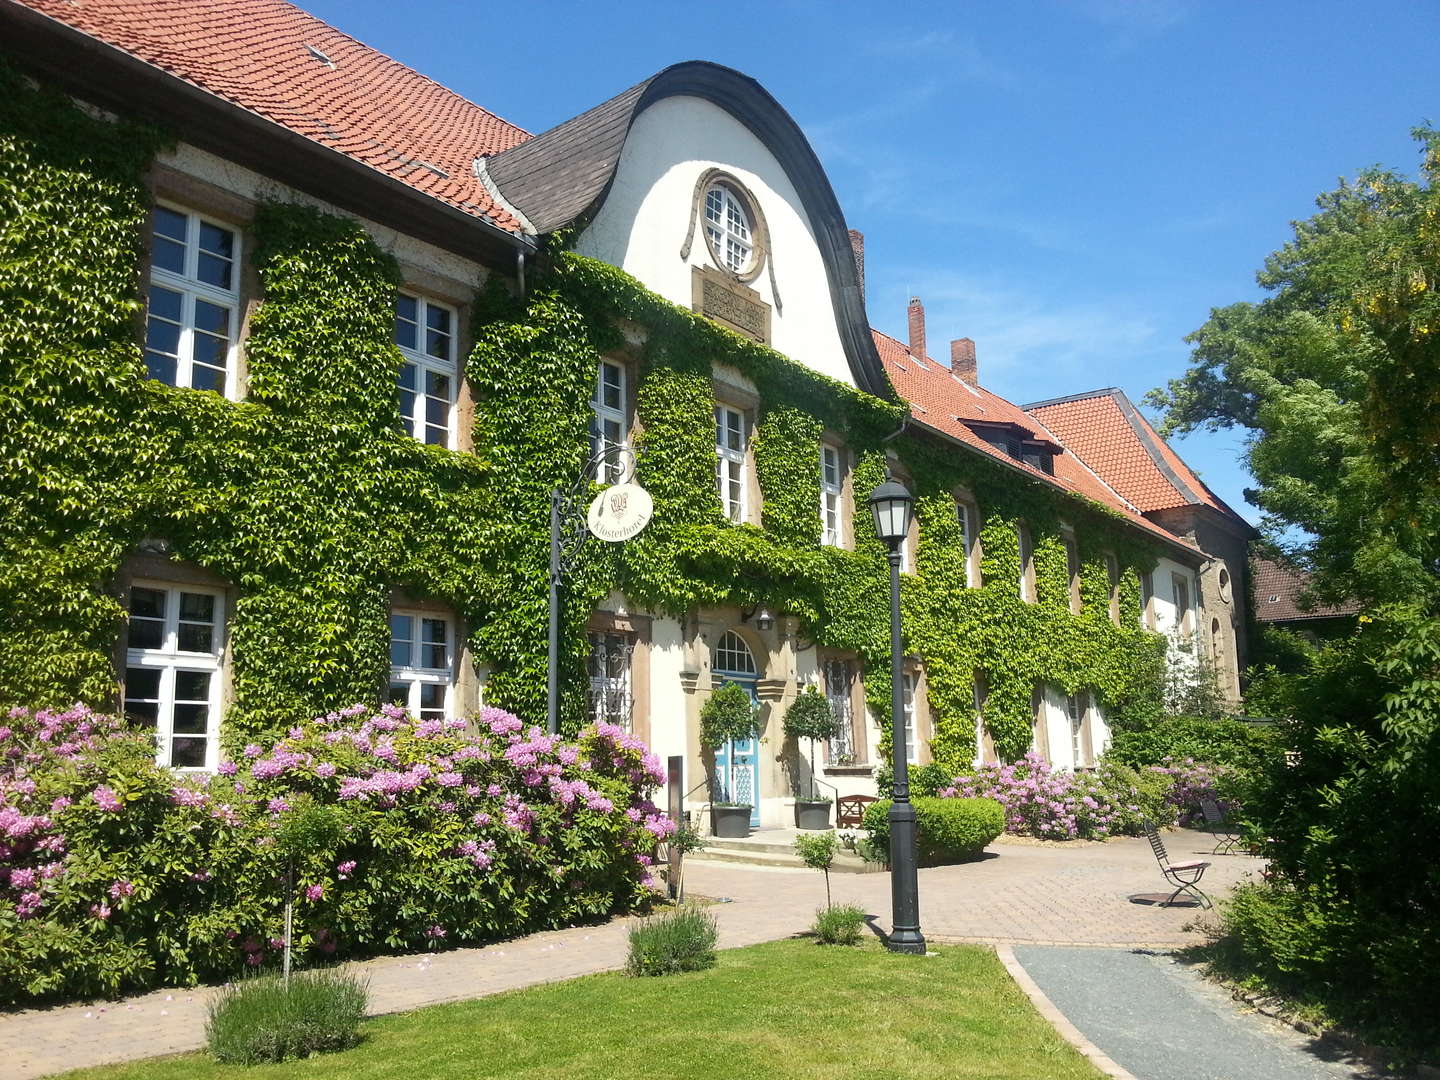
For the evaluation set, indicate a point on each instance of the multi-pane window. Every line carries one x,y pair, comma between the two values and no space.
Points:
172,671
191,320
969,517
609,429
730,460
1072,570
1180,590
727,224
1147,600
611,696
831,487
912,750
422,664
425,332
1075,710
837,692
1027,564
1112,571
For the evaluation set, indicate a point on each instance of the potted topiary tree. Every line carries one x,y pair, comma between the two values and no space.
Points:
811,716
727,716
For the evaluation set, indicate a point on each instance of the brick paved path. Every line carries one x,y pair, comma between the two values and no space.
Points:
1019,893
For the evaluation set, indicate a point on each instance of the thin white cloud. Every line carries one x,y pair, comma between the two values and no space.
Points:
961,58
1024,344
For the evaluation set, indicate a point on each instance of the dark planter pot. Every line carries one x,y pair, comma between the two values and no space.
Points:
812,815
730,822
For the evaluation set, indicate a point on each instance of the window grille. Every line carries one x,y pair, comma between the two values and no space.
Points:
172,671
191,319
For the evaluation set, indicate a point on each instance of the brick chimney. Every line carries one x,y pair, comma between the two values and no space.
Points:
917,328
857,245
962,360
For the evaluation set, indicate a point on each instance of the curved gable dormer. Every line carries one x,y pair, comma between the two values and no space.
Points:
635,172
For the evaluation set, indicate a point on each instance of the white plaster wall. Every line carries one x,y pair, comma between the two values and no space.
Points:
1099,730
667,697
1166,619
642,224
1057,729
247,184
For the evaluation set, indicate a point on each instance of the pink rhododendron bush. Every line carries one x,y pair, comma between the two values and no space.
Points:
118,875
1054,804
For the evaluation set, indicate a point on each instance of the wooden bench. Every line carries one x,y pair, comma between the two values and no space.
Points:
1185,876
850,810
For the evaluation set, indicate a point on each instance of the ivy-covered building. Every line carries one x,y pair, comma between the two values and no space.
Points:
296,344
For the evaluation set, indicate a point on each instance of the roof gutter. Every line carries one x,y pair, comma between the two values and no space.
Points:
120,82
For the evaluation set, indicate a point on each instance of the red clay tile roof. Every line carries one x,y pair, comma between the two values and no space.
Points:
1113,438
257,55
1277,589
942,401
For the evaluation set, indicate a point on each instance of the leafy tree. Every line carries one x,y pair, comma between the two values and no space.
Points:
1336,376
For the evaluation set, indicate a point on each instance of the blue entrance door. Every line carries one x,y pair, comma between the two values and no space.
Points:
737,763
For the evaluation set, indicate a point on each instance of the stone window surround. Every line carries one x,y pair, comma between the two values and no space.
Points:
640,627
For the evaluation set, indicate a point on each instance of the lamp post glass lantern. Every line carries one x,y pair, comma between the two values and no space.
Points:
892,504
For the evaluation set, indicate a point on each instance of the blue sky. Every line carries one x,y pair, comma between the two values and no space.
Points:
1073,185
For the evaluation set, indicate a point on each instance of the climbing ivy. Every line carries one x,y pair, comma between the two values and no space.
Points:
310,499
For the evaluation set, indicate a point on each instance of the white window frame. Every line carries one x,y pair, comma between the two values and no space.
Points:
832,490
415,674
1025,545
417,425
608,471
968,514
169,659
910,688
1073,570
191,290
730,472
1076,706
729,228
1184,623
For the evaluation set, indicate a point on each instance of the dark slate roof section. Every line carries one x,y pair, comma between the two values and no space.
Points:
562,176
555,177
1278,589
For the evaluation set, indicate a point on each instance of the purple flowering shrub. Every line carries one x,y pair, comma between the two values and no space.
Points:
1190,781
118,875
1059,805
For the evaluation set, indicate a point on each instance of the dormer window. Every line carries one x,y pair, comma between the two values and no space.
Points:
729,227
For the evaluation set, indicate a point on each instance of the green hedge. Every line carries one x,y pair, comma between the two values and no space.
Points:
949,830
1249,747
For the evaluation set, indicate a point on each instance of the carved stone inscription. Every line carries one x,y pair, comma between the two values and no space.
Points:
728,302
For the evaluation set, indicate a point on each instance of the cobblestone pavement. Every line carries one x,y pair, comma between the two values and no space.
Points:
1018,893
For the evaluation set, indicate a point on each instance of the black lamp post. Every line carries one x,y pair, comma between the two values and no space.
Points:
892,504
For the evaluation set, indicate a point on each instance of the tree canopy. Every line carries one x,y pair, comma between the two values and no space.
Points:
1336,376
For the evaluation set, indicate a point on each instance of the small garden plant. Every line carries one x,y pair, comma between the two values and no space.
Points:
679,940
270,1018
810,716
839,924
817,851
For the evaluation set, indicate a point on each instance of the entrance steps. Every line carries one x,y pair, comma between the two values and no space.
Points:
774,848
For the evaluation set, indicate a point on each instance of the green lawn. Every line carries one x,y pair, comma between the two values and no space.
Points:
789,1009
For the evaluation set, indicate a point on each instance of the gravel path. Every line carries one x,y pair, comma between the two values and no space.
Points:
1161,1020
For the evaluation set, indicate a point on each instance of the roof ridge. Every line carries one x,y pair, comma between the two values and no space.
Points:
1109,391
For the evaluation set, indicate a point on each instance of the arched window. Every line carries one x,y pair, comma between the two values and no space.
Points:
729,227
733,657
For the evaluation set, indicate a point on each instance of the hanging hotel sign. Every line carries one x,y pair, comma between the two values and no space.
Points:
620,512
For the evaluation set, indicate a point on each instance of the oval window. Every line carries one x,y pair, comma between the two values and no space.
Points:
1224,580
729,228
